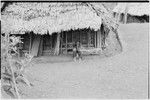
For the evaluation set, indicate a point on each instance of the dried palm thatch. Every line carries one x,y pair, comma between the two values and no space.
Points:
41,18
105,14
137,9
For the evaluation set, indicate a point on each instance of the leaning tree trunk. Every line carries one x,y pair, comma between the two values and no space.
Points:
56,51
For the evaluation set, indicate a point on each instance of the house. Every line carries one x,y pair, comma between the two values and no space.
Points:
53,28
135,12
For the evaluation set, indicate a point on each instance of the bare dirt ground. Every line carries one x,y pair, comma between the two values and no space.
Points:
124,75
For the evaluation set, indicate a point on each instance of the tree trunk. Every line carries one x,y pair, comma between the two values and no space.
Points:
56,51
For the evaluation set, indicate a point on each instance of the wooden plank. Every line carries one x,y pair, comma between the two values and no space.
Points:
35,46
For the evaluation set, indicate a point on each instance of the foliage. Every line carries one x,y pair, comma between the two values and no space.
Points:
13,67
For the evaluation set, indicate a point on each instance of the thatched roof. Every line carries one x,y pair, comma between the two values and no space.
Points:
41,18
137,9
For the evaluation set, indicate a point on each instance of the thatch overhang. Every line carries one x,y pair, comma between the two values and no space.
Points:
41,18
136,9
105,14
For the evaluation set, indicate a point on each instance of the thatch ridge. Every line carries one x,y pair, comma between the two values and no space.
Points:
137,9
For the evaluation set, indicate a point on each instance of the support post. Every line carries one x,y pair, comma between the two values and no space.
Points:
118,17
89,38
41,46
56,51
95,40
66,43
61,42
51,42
125,15
30,43
80,36
99,38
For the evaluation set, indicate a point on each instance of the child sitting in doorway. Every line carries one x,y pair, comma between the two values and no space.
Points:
76,51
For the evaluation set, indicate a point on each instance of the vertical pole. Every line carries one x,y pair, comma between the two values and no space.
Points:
88,40
66,43
51,42
72,39
125,15
95,39
61,41
71,36
118,16
19,47
41,47
80,36
98,39
30,43
56,52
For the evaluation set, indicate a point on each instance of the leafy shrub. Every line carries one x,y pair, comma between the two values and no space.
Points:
13,68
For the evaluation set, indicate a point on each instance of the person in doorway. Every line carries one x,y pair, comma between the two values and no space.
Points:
76,51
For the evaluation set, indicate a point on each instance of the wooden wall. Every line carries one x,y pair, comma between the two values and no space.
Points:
86,37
